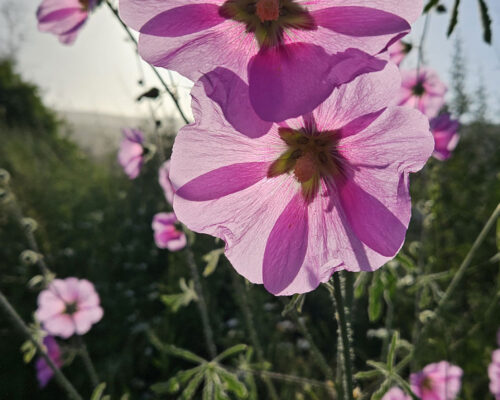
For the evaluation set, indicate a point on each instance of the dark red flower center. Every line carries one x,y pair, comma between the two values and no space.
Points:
268,20
427,383
311,156
71,308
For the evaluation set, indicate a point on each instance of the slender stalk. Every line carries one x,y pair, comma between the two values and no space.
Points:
422,43
60,378
202,304
155,71
344,331
87,361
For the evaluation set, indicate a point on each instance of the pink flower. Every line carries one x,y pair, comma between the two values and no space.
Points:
131,153
299,200
68,306
165,183
494,374
398,51
445,131
425,92
439,381
292,53
396,394
43,372
167,236
64,18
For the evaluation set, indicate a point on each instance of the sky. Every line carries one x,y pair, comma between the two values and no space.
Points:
100,72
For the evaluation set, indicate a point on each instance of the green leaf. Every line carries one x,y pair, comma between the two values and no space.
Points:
392,351
382,390
183,299
430,5
98,391
454,18
486,21
498,234
233,383
359,286
183,353
29,350
231,351
212,259
193,385
295,304
107,397
367,374
209,388
375,298
406,261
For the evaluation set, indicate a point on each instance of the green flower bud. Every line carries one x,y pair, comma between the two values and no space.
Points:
29,224
30,257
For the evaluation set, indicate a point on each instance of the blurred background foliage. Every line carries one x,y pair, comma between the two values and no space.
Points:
94,223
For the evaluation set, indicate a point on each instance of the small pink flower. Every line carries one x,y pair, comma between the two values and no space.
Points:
438,381
425,92
398,51
43,372
131,153
292,53
165,183
167,236
494,374
68,306
446,137
299,200
64,18
396,394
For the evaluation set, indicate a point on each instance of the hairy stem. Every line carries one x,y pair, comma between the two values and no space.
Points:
21,326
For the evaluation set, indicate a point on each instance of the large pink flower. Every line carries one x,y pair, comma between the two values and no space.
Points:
438,381
424,92
292,53
131,153
445,131
396,394
164,180
43,372
68,306
299,200
64,18
494,374
166,234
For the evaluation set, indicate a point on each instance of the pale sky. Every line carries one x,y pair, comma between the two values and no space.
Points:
99,72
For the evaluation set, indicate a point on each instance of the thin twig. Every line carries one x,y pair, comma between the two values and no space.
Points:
21,326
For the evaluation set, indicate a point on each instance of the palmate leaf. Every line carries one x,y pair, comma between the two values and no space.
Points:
183,299
212,260
231,351
233,383
193,385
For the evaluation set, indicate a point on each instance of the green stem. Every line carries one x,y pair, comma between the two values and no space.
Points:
21,326
344,331
87,361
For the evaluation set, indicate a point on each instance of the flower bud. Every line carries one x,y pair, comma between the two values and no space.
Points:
4,177
30,257
29,225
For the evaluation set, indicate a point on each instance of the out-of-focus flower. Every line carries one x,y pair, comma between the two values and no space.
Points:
398,51
167,236
43,372
131,153
494,374
299,200
424,92
68,306
438,381
64,18
396,394
165,183
446,137
291,53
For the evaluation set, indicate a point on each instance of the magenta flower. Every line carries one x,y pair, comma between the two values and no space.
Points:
398,51
438,381
494,374
43,372
131,153
299,200
396,394
64,18
68,306
165,183
167,236
425,92
293,53
445,131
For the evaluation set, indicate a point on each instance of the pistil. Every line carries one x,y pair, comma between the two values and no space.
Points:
268,10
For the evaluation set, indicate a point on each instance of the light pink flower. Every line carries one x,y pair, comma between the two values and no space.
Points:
131,153
494,374
396,394
165,183
43,372
64,18
299,200
438,381
68,306
425,92
398,51
167,236
445,131
291,53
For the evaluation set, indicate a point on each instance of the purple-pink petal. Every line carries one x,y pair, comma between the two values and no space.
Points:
396,394
166,235
165,183
446,137
438,381
130,154
43,372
